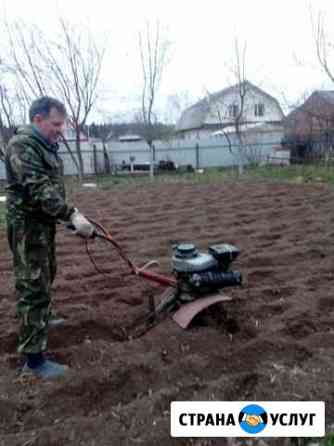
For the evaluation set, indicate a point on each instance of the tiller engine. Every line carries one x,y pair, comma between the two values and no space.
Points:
199,273
200,278
197,281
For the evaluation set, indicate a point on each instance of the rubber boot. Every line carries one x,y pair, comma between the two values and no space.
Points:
46,370
55,321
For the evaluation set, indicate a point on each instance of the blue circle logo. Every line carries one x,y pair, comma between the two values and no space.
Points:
253,419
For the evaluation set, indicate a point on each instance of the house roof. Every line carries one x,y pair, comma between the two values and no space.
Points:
129,138
328,96
193,117
70,135
251,127
320,104
312,103
315,113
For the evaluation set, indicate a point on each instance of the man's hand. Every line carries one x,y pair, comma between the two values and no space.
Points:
82,226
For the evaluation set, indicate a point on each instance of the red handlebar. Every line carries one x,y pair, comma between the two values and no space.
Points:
149,275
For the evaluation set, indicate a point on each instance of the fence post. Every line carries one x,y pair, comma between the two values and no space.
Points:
197,155
132,160
107,168
95,159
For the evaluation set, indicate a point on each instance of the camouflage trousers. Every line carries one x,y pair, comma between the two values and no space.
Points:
33,246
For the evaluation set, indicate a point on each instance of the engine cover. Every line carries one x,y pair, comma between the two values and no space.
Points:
187,259
224,252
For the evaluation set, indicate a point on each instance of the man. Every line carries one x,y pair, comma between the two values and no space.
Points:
35,201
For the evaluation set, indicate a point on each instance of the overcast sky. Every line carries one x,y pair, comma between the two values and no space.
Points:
280,50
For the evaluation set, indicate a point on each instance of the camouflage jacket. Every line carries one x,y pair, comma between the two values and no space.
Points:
35,177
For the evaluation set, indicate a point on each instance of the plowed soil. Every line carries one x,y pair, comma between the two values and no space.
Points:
273,341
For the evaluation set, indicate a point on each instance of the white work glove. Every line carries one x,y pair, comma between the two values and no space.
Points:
81,225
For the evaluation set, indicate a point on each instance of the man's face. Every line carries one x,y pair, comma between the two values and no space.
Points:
51,126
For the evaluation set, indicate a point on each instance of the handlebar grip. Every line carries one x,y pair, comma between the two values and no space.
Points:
70,227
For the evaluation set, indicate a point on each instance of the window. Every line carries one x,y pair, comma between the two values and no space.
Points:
233,110
259,110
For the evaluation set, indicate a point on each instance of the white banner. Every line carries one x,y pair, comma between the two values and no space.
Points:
247,419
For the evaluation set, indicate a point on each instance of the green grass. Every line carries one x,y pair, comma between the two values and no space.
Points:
209,175
328,440
2,216
108,181
294,173
2,207
309,173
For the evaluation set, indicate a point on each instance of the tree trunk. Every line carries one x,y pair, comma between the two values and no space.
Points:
2,149
4,138
107,168
240,154
79,154
240,168
151,160
73,158
96,169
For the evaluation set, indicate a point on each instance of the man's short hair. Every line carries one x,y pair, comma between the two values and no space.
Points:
43,105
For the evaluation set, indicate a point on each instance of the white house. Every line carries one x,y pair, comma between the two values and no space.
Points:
220,110
70,135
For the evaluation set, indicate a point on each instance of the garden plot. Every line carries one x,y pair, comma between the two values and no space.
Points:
273,341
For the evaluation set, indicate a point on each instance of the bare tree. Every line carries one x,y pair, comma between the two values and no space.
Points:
68,67
104,132
324,46
218,112
153,49
6,119
12,110
309,128
312,123
235,117
176,104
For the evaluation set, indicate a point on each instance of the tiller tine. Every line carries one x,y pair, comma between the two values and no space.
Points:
186,313
156,311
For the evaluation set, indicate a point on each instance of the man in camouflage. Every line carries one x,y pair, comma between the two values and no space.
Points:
35,201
